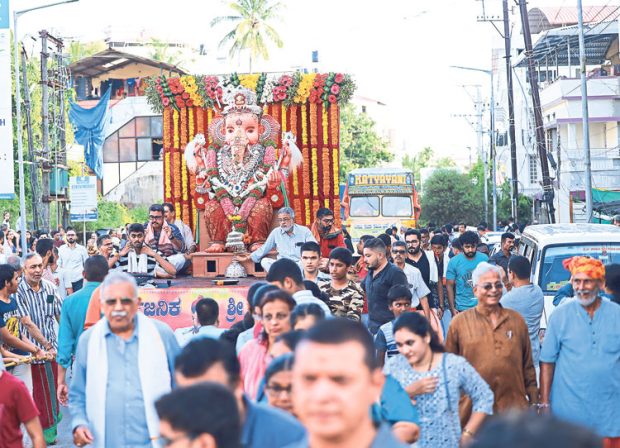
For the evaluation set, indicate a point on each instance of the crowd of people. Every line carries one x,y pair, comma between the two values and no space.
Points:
422,340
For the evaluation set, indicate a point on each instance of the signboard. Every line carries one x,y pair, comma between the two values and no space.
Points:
83,194
366,184
173,306
7,180
381,179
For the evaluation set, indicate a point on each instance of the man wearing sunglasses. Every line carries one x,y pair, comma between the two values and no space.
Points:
327,234
496,342
123,364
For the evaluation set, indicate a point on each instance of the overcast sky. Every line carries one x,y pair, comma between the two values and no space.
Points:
399,51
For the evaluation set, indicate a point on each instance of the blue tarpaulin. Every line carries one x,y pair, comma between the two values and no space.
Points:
89,129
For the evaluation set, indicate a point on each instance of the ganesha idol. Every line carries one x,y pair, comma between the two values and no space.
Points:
241,176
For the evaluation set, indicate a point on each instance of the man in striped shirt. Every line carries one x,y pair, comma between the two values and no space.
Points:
38,305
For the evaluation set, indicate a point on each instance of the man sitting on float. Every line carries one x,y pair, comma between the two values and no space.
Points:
165,239
240,175
287,239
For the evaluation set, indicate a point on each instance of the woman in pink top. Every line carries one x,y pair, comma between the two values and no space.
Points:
255,356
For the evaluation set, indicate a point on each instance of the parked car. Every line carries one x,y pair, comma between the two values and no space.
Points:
548,245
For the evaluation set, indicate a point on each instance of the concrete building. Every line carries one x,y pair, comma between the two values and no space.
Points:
132,166
556,52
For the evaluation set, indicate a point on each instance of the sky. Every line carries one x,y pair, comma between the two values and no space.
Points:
400,52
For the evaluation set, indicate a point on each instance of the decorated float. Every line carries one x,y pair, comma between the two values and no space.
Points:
236,148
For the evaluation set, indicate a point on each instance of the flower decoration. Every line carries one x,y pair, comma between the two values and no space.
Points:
288,89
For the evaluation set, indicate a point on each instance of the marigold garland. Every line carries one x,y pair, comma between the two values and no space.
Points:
283,114
326,203
200,122
167,176
335,125
183,128
313,131
307,181
184,180
315,173
293,116
325,123
336,169
166,125
304,126
308,211
176,158
175,130
325,174
192,134
297,207
296,182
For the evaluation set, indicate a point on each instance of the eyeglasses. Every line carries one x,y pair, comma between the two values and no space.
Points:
328,221
489,286
399,252
125,301
277,316
276,389
284,219
155,218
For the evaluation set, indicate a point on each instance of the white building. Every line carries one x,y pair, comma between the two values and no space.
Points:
556,53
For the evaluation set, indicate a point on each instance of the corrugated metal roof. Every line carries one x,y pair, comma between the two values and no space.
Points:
554,44
545,18
109,60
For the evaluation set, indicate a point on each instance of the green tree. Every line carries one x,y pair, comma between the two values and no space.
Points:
360,145
418,161
449,197
80,50
504,204
161,52
252,28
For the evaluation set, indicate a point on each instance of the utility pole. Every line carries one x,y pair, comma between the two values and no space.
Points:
34,177
538,122
45,133
511,115
514,184
585,113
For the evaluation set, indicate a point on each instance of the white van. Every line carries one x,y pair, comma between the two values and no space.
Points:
548,245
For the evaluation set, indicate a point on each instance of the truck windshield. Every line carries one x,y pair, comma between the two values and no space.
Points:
553,275
364,206
397,206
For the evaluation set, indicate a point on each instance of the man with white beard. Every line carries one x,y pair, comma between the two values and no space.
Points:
579,374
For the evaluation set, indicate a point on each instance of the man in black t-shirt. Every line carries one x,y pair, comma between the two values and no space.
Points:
382,275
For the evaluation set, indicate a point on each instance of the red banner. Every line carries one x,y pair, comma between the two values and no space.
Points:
174,305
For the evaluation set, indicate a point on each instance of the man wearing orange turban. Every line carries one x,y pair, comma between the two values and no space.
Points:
587,278
579,372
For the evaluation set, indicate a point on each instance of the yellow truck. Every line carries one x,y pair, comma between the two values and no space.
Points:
377,198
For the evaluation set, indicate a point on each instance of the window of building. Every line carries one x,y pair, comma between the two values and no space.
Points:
533,168
139,140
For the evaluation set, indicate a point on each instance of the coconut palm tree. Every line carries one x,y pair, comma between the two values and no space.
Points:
251,27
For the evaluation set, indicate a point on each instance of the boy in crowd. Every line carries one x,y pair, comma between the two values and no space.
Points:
345,297
399,302
310,262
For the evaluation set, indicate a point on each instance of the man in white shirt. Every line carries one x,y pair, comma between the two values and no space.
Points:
186,231
71,258
207,317
287,239
286,275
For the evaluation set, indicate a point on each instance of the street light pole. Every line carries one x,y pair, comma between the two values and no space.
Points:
585,114
18,117
492,145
